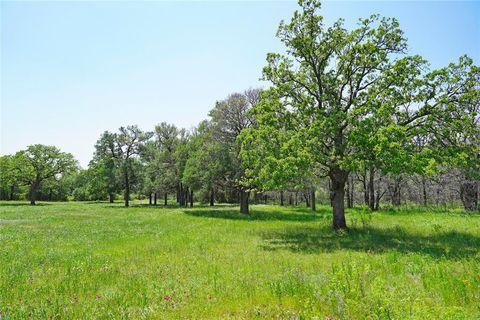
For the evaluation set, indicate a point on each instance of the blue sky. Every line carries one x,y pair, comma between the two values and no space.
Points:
71,70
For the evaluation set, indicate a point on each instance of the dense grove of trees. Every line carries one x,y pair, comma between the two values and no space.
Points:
349,119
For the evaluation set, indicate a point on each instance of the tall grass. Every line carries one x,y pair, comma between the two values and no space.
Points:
96,260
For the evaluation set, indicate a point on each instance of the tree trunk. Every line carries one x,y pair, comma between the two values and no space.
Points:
469,194
377,202
181,196
377,199
244,195
191,198
12,191
290,199
371,189
185,197
424,189
281,198
312,199
33,191
307,203
366,196
111,197
395,194
265,198
349,194
127,189
338,178
212,198
165,199
150,199
155,198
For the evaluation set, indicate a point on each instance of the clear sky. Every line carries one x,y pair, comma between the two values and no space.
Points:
71,70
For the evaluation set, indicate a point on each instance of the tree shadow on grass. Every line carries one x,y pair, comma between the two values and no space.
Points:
450,245
148,206
257,214
170,205
22,204
97,202
141,205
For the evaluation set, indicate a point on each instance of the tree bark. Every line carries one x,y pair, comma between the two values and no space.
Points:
312,199
424,189
127,189
366,196
469,194
396,193
212,198
307,202
244,195
348,193
12,191
33,191
338,178
165,199
181,195
281,198
371,189
185,197
155,197
111,197
377,198
150,199
191,198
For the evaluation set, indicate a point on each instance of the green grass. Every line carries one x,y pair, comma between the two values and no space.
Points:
95,260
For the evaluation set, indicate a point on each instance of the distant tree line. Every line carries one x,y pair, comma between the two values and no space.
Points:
349,119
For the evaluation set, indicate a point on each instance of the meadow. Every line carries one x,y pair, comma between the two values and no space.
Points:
82,260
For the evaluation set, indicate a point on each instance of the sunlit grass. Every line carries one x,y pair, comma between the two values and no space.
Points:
95,260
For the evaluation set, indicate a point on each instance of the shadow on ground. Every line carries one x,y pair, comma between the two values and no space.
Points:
22,204
171,205
292,214
450,245
120,205
145,206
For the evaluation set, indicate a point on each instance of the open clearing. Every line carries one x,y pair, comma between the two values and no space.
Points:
97,260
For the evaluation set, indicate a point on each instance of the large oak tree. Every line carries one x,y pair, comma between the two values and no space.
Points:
341,100
39,163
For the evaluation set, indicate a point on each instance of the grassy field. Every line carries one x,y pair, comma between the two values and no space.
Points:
96,260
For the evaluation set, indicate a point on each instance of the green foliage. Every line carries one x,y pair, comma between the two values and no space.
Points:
117,159
40,162
39,165
8,178
324,104
163,171
228,120
457,130
351,100
210,162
